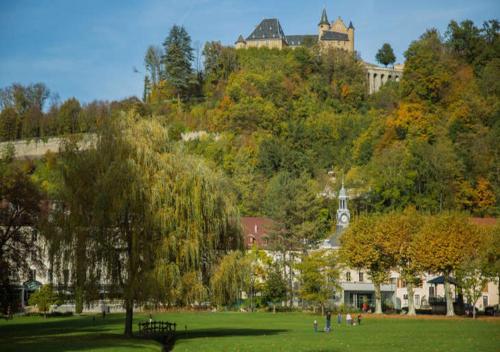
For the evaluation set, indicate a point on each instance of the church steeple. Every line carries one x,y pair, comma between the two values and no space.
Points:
343,215
324,18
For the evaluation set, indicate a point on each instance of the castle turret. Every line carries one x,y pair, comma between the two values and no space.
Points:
323,24
350,34
240,43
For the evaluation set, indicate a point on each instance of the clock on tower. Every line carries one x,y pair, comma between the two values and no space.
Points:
343,215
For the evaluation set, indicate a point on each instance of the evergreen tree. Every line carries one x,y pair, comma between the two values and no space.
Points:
385,55
177,59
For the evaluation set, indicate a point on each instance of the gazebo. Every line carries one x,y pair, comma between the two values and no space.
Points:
436,302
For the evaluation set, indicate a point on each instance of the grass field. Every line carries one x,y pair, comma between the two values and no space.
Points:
254,332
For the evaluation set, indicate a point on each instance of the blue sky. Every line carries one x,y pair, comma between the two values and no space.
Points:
88,49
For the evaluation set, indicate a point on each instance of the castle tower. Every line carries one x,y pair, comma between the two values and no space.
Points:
240,43
323,24
343,215
350,34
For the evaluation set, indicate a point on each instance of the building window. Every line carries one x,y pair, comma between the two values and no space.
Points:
405,297
485,301
348,276
360,276
417,300
431,291
32,275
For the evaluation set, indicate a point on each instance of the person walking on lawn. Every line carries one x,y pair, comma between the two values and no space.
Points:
328,321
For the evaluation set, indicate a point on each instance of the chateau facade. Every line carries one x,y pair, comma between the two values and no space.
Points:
269,34
331,35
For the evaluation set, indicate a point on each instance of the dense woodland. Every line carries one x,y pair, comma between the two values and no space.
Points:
283,128
290,116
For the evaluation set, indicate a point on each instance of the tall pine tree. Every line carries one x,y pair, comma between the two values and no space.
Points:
177,60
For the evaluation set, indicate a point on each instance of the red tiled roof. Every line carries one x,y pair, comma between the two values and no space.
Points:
256,230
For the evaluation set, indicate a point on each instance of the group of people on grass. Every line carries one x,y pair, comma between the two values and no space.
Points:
328,326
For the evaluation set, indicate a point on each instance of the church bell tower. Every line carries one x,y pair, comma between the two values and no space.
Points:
343,215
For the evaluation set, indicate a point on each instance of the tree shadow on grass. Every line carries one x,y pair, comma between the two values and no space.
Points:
46,327
82,342
70,334
226,332
220,332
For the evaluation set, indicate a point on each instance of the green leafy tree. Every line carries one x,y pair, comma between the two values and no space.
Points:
43,298
220,62
385,55
10,126
69,113
472,275
428,68
275,288
318,277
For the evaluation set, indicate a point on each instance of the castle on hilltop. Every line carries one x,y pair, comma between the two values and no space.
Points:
270,34
334,35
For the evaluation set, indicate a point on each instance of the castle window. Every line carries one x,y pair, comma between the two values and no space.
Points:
360,277
348,276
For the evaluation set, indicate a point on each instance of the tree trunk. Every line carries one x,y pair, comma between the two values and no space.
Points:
378,298
447,293
129,315
78,300
322,310
474,311
411,301
274,308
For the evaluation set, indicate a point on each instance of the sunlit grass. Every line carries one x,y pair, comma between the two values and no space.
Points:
253,332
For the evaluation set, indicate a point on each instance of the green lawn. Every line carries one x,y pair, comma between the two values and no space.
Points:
254,332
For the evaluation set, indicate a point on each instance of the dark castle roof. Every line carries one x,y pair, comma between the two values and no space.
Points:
305,39
240,39
324,18
330,35
269,28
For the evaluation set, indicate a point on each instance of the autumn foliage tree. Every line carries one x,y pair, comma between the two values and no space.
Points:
363,247
442,246
400,230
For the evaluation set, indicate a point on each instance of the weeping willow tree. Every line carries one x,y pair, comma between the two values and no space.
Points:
230,277
140,215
